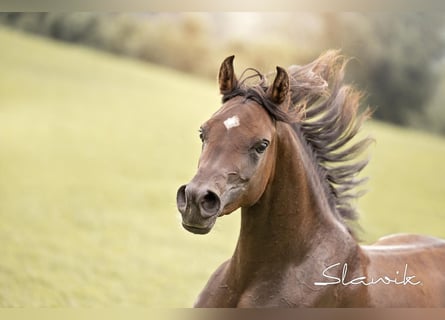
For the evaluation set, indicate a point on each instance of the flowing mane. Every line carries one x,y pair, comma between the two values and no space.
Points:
325,112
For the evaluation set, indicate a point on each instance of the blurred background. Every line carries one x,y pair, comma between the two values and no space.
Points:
99,118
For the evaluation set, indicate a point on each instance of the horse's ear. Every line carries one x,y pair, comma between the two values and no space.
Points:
279,90
226,78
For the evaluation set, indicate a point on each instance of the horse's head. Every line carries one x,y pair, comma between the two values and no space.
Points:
238,154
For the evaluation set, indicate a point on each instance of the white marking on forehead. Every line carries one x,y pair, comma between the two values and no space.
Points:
231,122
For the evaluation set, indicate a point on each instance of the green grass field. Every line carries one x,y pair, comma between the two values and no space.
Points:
92,150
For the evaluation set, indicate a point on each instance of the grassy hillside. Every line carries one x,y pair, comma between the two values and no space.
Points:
92,150
407,184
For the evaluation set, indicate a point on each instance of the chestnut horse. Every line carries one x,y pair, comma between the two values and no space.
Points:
282,152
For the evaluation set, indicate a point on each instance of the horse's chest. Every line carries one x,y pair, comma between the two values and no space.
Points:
289,288
282,290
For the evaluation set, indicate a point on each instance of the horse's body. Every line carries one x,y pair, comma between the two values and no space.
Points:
292,285
294,248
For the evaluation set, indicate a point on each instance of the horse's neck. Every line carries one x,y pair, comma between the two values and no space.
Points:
292,219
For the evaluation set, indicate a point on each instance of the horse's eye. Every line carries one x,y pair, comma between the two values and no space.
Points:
262,146
201,134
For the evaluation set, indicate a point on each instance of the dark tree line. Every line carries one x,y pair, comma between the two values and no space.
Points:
397,55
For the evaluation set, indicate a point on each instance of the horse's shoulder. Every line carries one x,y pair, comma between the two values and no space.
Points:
221,270
216,292
219,275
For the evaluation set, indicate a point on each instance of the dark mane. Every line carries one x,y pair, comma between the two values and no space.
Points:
257,93
325,112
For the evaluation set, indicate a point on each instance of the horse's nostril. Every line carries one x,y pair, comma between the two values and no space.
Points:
192,202
181,200
210,204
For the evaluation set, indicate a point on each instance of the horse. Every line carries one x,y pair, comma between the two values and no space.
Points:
284,152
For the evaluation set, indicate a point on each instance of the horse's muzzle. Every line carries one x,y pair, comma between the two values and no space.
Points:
199,207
